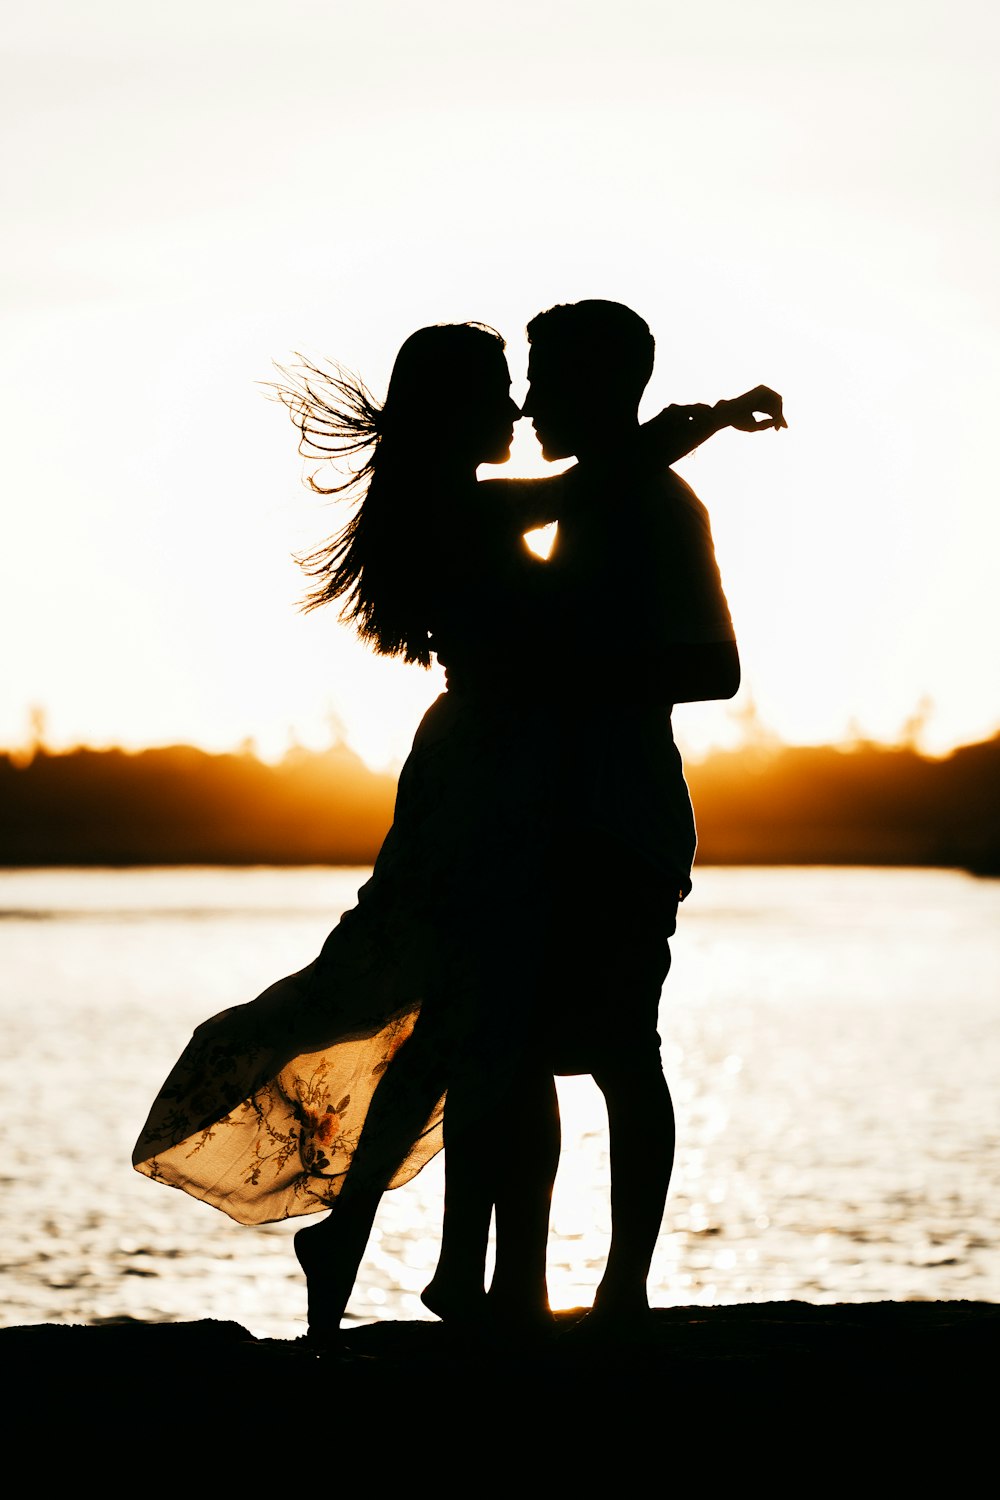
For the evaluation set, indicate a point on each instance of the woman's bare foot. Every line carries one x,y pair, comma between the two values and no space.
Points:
494,1320
521,1317
327,1298
459,1307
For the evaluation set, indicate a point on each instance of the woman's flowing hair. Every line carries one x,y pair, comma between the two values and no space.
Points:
376,565
337,417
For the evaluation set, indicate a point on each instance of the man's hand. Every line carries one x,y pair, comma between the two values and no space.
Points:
742,411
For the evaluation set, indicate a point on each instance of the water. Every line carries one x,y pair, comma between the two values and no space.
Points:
830,1037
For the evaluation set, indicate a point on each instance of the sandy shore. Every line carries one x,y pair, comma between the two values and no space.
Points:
837,1368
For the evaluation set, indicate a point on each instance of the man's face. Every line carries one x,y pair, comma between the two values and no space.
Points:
557,403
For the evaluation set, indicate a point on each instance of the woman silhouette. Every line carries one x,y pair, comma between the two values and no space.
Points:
329,1087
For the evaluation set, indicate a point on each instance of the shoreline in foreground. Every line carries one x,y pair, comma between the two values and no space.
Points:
933,1356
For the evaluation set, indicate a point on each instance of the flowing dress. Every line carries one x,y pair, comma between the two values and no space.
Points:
262,1114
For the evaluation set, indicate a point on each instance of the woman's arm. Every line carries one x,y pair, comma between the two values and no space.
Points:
528,502
669,436
678,430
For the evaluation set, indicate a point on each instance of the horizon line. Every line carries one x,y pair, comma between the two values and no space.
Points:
764,741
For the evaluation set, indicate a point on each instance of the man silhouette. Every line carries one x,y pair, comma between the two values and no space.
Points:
645,625
637,531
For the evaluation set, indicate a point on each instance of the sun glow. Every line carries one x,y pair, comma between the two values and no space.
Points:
150,583
542,540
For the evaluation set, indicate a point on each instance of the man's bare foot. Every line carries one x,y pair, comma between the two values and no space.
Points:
611,1322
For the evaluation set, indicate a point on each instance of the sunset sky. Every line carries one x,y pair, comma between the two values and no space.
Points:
797,194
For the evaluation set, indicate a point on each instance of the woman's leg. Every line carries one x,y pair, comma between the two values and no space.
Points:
524,1201
331,1252
456,1292
504,1153
501,1121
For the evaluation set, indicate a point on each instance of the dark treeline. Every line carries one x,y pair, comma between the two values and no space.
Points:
863,805
182,806
866,804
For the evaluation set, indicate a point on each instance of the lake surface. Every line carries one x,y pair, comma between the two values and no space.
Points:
830,1035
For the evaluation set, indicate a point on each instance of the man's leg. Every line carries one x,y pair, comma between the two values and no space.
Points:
614,960
641,1126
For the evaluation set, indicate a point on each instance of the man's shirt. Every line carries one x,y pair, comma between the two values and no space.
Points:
633,575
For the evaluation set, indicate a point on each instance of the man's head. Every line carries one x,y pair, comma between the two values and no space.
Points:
589,365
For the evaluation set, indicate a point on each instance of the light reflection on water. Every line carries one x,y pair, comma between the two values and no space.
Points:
830,1037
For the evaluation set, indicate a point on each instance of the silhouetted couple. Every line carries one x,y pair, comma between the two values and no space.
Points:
518,917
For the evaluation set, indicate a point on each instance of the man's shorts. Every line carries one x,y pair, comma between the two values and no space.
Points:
606,953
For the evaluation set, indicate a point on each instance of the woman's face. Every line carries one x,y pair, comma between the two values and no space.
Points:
483,411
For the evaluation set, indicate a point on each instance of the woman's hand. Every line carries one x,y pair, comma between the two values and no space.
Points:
678,430
742,411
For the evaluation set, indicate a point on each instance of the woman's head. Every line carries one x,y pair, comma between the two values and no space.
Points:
449,397
448,404
447,410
